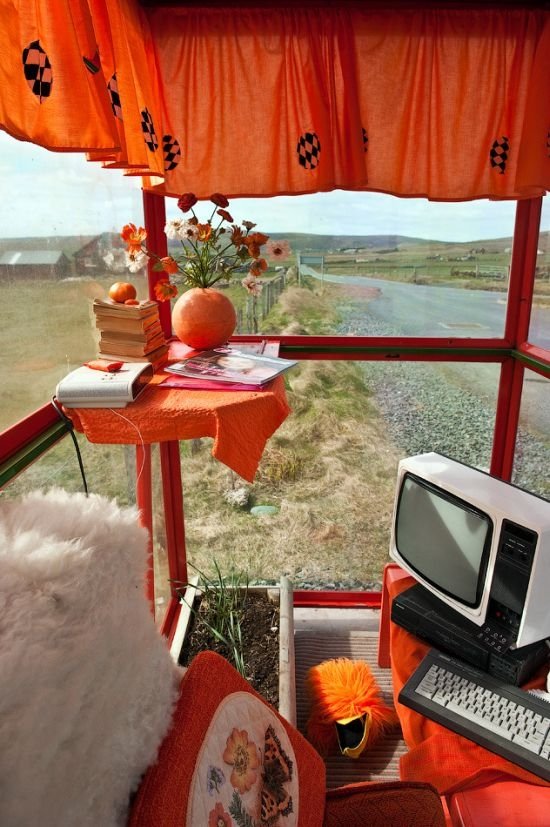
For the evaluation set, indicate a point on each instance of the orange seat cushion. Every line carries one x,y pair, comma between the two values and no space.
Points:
173,786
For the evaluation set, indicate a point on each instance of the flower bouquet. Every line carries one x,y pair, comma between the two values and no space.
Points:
211,251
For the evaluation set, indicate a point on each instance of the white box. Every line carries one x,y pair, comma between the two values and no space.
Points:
88,388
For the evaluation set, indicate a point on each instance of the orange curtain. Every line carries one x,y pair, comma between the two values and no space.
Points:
450,104
79,75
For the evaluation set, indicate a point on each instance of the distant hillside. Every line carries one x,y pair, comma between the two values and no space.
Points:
324,243
68,244
302,242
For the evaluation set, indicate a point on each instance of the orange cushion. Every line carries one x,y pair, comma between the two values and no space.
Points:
503,803
394,803
173,786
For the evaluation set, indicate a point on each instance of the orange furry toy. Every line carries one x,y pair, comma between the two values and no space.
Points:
347,710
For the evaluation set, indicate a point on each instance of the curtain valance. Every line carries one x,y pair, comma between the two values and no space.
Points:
444,103
449,104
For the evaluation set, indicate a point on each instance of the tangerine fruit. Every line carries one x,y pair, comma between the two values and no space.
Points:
120,291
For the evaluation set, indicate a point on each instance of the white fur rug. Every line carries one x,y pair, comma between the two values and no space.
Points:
87,685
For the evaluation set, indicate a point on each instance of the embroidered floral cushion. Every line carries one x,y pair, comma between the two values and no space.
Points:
229,760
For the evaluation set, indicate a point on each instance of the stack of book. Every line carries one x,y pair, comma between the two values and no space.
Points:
130,332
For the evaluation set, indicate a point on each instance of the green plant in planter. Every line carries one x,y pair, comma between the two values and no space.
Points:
221,608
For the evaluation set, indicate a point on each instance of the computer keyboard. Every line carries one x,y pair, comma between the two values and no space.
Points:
500,717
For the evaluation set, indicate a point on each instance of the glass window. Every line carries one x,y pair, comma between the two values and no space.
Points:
532,456
539,328
329,471
373,264
58,251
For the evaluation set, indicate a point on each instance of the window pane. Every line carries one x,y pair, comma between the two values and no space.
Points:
532,457
539,328
63,219
110,470
378,265
330,470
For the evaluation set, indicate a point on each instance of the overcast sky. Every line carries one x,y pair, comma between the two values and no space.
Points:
49,193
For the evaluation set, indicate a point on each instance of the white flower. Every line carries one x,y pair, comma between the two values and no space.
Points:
252,284
172,228
188,230
136,261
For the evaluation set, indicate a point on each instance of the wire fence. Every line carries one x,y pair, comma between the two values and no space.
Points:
256,309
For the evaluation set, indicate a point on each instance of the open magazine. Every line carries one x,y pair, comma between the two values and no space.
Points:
230,365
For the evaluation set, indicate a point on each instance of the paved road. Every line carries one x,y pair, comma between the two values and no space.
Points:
421,310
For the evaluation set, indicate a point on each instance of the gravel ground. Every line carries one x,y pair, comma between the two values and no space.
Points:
425,411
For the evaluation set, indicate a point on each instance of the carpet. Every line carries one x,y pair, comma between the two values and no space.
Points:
381,761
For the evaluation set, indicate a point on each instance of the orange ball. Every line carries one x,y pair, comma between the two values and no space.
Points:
203,318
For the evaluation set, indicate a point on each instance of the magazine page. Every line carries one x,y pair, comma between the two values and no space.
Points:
227,364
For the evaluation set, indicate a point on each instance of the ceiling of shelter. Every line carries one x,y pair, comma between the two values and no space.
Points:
536,4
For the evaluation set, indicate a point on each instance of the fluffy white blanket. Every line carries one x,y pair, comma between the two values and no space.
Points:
87,685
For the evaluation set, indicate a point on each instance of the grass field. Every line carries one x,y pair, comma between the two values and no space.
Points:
330,468
331,448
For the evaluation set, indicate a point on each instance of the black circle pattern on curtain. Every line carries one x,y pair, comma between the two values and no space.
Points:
112,88
92,64
172,152
365,140
38,70
148,129
309,150
548,144
499,154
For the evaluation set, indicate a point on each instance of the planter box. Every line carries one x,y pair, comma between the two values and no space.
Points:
281,595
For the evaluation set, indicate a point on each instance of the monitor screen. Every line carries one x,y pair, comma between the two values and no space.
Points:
443,538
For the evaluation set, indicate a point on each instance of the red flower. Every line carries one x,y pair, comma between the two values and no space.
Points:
225,215
165,290
187,201
218,817
219,200
169,265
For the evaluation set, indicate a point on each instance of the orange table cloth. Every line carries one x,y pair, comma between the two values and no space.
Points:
240,422
437,755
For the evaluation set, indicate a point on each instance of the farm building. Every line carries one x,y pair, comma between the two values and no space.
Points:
34,264
90,259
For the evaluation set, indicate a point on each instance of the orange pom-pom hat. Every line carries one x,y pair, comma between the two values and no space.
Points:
347,710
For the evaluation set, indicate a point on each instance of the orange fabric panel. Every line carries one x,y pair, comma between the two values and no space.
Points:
240,422
52,89
437,755
428,102
129,68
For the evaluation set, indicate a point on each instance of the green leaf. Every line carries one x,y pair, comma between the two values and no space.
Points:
237,810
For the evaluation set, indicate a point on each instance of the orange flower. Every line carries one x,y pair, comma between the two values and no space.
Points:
254,242
258,266
133,237
169,265
259,238
165,290
237,235
204,231
243,755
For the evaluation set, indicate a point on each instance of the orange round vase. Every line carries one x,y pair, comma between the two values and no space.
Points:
203,318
